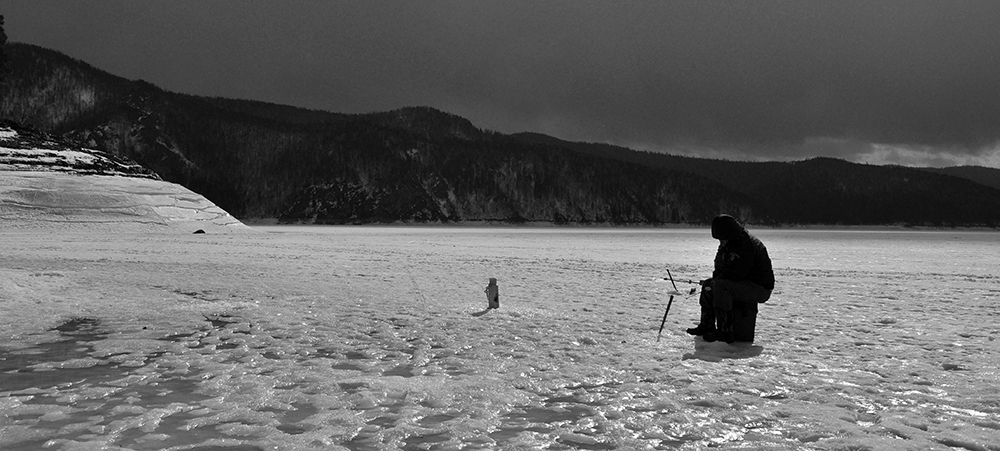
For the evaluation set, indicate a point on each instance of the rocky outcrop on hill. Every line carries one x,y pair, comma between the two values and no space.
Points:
23,149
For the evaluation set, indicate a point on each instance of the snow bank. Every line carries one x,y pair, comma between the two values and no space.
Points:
68,201
46,183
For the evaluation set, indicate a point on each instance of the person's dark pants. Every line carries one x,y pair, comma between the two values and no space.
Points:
724,292
729,310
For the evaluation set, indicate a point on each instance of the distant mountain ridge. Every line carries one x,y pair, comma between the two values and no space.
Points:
979,174
418,164
983,175
827,190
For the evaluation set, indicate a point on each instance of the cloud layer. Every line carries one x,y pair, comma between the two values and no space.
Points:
898,81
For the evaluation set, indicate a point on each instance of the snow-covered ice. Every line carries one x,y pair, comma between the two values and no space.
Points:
365,338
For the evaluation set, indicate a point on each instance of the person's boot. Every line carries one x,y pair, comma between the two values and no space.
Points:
706,325
725,329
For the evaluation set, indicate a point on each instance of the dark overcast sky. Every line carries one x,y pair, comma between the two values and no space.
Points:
900,81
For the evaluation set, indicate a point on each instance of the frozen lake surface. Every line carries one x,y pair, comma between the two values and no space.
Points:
371,338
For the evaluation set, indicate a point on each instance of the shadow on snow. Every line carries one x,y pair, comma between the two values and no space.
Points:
718,351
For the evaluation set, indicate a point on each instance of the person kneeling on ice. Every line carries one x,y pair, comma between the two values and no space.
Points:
742,273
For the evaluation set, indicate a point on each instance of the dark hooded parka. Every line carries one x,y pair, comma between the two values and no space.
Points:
741,256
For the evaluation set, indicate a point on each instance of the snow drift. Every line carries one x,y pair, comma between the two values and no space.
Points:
45,182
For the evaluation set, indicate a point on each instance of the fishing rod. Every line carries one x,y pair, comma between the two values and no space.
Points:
682,280
671,301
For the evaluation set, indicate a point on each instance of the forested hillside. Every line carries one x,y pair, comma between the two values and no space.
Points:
831,191
979,174
260,160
